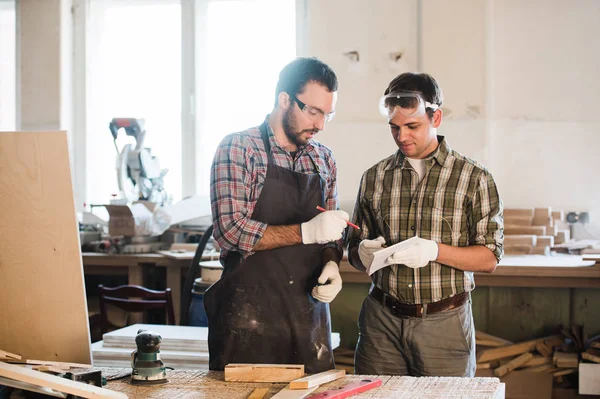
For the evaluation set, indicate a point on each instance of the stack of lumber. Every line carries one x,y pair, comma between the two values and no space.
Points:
537,355
559,355
533,230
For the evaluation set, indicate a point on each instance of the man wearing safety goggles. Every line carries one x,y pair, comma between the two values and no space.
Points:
279,253
417,318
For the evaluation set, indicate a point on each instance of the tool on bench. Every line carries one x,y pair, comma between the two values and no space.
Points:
146,366
348,390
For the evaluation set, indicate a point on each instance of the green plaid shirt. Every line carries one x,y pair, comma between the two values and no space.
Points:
457,203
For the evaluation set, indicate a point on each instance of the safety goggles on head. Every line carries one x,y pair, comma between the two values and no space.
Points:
407,103
314,114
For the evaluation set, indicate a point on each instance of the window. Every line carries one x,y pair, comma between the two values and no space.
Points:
7,66
247,44
134,70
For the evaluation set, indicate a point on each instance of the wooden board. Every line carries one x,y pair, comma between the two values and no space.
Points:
317,379
31,388
518,230
510,350
519,213
520,239
258,393
121,357
57,383
288,393
42,300
518,221
241,372
513,364
174,338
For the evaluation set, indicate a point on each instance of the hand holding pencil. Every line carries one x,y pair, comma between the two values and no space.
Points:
347,222
326,227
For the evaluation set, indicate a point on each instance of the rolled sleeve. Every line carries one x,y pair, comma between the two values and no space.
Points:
231,197
488,216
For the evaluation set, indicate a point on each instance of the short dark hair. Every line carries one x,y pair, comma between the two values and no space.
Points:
419,82
295,75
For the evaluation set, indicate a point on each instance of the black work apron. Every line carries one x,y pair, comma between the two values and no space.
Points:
261,310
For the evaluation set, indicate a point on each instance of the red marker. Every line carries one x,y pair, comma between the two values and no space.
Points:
349,224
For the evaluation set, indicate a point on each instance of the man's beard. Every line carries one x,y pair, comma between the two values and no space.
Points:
290,127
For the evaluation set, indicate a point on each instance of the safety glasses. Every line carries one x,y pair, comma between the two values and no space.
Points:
314,114
407,103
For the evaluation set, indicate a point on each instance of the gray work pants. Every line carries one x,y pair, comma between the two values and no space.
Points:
440,344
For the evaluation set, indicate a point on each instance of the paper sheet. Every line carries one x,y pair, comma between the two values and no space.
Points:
380,257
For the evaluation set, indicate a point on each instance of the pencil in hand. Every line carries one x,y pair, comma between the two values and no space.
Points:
349,224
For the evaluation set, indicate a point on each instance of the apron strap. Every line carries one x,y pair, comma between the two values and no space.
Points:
265,137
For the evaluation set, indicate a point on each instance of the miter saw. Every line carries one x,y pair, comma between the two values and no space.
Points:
138,171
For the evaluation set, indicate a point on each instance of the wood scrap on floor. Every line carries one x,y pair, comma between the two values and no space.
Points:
480,335
510,350
565,360
560,356
242,372
513,364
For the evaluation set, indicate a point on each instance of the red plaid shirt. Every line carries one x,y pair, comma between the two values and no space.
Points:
237,177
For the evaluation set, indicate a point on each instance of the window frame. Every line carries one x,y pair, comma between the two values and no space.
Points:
193,23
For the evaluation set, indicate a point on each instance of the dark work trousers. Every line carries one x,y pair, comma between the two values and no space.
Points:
440,344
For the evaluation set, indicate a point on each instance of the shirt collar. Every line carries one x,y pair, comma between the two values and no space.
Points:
308,147
440,155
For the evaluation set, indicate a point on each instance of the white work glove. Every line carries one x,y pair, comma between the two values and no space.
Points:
332,283
417,255
366,248
325,227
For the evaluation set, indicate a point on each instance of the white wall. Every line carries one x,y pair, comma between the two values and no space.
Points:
519,80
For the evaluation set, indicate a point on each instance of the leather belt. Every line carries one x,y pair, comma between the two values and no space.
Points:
401,309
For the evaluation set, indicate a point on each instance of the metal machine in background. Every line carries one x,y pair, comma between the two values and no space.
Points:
138,171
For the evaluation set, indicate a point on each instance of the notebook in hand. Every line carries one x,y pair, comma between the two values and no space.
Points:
380,257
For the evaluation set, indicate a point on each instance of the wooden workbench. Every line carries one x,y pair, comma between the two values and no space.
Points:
521,271
199,384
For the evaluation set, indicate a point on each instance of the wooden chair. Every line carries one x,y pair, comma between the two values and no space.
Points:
144,299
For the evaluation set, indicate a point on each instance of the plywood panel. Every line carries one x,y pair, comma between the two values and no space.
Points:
520,314
42,295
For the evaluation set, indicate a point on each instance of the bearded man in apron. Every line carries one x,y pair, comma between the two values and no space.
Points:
279,253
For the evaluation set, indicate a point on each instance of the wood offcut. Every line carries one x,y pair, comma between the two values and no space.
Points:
242,372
